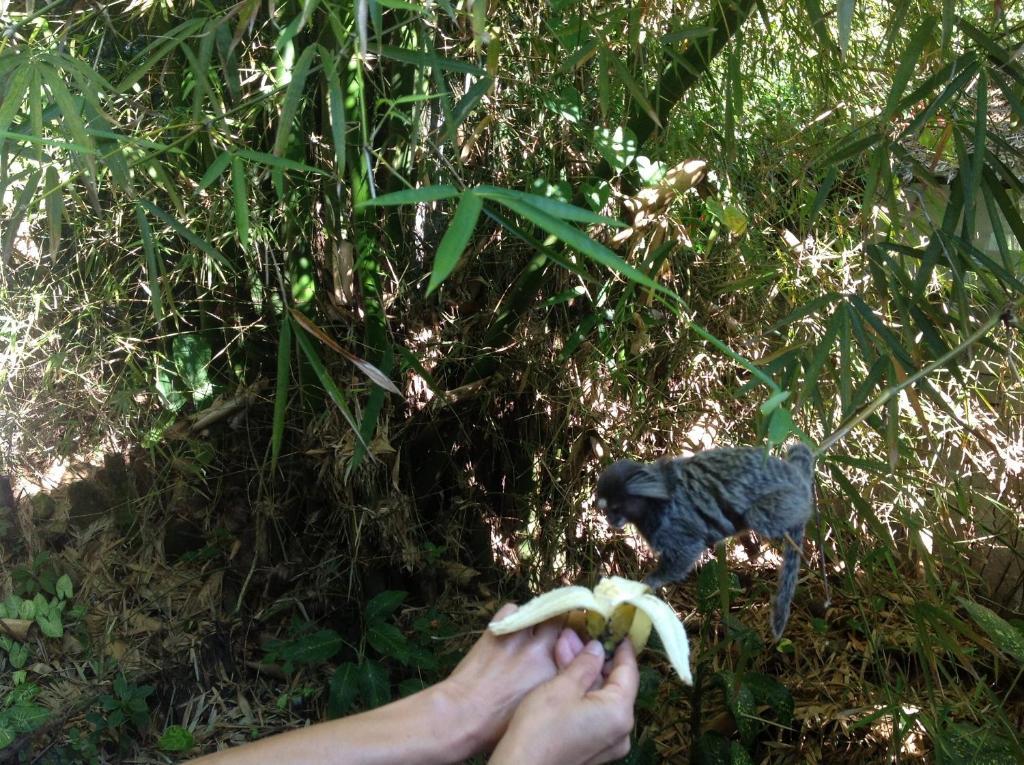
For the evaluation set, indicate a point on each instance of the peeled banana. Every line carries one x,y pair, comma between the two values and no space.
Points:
615,609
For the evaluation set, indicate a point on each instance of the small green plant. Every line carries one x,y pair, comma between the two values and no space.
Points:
123,711
176,738
19,714
368,681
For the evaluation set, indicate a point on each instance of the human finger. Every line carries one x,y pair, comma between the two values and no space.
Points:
549,630
505,610
567,648
616,751
624,675
585,668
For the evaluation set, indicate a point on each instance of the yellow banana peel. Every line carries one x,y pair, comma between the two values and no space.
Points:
615,609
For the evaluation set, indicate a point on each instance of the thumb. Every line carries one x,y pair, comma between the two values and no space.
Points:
586,667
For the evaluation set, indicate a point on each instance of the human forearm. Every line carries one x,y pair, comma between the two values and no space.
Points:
428,728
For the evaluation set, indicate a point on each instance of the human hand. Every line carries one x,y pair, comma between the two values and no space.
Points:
490,681
575,719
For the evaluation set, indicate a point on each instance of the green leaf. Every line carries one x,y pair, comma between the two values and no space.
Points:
580,242
411,196
469,101
317,648
770,692
152,269
908,62
50,623
553,207
327,381
7,734
284,352
24,718
54,202
780,425
342,690
374,684
65,589
1007,638
292,98
240,194
388,640
279,163
16,87
336,109
383,604
845,23
70,110
23,201
618,146
176,738
634,88
213,172
187,235
455,239
432,60
157,50
773,402
192,355
18,655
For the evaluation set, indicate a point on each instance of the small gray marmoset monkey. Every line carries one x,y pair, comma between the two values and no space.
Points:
685,505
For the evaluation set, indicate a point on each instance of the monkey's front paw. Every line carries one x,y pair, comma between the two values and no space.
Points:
654,582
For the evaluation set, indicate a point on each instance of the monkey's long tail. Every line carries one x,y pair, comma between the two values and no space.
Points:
787,581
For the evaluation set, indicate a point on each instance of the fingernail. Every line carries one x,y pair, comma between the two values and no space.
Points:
594,648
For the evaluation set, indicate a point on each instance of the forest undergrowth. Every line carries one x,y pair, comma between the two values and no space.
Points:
319,320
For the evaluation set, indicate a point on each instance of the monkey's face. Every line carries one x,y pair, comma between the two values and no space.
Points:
620,493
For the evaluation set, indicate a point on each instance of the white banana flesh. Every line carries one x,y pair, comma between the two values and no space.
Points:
615,608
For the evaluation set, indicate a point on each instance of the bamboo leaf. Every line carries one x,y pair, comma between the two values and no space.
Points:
279,163
69,109
804,309
635,90
183,231
240,193
579,242
336,109
157,50
152,268
455,239
375,375
851,149
951,89
883,331
22,202
821,354
822,195
553,207
213,172
411,196
818,23
327,382
54,201
1007,638
845,22
469,101
284,353
908,62
432,60
292,99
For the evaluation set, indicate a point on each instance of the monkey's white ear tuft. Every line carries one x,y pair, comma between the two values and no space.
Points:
647,482
602,503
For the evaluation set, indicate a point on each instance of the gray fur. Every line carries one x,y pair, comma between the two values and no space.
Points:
684,506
